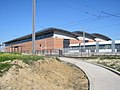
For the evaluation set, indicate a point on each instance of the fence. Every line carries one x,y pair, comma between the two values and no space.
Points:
109,48
74,52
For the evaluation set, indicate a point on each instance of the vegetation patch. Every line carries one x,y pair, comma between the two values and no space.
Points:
112,63
4,67
18,56
7,58
102,57
48,74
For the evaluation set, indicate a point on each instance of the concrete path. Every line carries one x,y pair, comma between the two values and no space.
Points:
100,78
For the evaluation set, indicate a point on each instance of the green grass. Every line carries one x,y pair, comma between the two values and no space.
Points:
102,57
14,56
28,59
4,67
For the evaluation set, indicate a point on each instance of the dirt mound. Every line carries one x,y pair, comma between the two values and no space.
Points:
43,75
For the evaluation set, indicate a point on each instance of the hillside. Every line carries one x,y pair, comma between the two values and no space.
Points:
48,74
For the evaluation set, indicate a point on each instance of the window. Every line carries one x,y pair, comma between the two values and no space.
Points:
46,35
117,46
86,41
40,45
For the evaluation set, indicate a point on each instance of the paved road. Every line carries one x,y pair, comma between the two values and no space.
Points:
100,78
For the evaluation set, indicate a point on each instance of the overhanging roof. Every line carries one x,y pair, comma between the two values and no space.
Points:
97,35
43,32
80,33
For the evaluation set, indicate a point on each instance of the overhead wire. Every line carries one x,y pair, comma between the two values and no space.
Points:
82,21
101,12
98,17
107,26
68,6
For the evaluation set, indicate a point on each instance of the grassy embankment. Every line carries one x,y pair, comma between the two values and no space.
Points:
7,58
112,61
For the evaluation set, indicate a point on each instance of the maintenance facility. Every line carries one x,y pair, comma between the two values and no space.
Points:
51,39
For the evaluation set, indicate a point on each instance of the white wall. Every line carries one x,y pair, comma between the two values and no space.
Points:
81,38
62,36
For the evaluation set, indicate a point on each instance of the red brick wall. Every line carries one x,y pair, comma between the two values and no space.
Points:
73,41
58,43
47,43
43,44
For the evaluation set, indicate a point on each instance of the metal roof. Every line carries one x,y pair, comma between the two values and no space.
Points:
80,33
97,35
43,32
74,34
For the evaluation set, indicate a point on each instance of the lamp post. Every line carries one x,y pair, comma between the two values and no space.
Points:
84,41
33,25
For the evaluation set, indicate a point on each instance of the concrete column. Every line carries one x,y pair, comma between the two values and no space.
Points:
79,47
97,46
113,46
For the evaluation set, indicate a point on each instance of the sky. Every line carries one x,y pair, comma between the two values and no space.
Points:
92,16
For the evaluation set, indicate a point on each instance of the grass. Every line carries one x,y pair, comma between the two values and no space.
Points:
24,58
112,61
4,57
4,67
102,57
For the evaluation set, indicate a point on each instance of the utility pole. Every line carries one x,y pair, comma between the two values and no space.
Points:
83,40
33,25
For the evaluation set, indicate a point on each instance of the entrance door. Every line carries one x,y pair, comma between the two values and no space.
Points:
66,43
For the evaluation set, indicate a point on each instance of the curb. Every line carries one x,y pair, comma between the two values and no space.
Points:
106,67
80,69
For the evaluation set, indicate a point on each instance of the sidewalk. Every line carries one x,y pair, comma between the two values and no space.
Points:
100,78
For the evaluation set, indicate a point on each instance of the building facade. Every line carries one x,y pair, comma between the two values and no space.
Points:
51,39
47,39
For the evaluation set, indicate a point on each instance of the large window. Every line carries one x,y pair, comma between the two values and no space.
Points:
42,36
107,46
46,35
117,46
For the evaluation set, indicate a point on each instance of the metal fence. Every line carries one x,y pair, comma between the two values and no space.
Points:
75,52
82,51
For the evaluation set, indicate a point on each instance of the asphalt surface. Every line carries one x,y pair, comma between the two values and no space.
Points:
99,77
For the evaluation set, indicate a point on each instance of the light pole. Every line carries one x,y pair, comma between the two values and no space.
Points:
84,41
33,25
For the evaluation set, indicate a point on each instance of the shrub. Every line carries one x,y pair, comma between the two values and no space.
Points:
4,67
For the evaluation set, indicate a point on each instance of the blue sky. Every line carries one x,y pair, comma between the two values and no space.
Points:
71,15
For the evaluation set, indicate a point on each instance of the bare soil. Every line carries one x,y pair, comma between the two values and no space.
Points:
43,75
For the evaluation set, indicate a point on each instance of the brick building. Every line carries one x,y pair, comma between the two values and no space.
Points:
51,39
47,39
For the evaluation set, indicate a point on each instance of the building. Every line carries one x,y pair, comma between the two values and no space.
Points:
104,46
47,39
51,39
